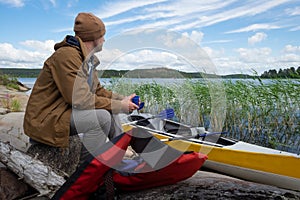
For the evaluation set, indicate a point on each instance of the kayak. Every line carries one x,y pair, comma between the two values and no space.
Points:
228,156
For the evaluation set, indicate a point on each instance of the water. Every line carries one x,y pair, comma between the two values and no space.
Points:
107,81
27,81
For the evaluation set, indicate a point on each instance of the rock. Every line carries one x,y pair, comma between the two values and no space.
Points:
208,185
3,111
10,186
22,87
12,131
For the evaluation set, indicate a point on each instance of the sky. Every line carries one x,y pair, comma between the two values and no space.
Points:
217,36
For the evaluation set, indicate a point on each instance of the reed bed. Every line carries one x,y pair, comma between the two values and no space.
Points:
261,112
267,114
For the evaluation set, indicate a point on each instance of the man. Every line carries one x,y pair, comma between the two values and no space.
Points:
67,97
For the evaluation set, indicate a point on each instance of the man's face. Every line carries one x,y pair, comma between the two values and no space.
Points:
98,44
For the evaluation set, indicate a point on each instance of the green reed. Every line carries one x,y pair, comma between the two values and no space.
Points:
255,111
265,114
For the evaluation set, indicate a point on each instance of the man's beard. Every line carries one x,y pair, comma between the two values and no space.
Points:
97,47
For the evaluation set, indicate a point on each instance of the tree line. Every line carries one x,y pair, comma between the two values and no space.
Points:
159,73
282,73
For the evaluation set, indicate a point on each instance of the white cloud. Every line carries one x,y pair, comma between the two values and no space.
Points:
181,15
217,41
255,27
14,3
290,58
141,58
256,55
258,59
46,46
258,37
12,57
188,17
115,8
151,16
196,36
296,28
293,11
291,49
291,54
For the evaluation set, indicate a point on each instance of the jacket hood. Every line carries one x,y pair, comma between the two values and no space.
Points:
68,41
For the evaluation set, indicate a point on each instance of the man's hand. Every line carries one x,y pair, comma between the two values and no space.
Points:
127,105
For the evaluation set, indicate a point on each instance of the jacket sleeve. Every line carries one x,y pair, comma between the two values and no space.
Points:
71,79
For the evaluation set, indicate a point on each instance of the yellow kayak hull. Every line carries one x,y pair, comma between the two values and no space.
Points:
258,164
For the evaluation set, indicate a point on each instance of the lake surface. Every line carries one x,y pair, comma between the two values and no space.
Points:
107,81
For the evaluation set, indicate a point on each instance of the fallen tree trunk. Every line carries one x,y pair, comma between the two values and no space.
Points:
35,173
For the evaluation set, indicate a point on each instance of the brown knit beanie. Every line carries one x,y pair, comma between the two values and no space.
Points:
88,27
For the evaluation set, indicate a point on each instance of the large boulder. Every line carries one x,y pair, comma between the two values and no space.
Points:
209,185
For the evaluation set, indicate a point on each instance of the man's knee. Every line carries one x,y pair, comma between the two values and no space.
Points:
87,120
104,118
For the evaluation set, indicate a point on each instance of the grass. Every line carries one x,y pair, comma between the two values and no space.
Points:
7,101
11,104
267,114
9,82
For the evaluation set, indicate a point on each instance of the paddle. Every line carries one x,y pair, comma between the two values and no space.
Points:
165,114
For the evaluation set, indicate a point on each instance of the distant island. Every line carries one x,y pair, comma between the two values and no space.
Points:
160,73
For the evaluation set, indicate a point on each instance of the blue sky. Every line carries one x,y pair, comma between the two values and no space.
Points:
236,36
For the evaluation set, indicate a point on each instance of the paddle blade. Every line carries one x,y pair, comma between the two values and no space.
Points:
166,114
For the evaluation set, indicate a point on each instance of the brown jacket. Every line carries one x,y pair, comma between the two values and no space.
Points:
61,85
